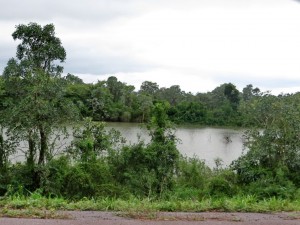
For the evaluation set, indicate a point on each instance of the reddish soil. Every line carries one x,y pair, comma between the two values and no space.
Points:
207,218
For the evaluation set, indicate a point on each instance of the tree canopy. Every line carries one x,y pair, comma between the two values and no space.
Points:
35,105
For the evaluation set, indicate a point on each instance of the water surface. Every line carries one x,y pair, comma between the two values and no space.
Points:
204,142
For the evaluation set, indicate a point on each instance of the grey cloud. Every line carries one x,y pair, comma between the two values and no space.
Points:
103,10
77,62
104,64
273,83
78,14
241,80
7,52
90,10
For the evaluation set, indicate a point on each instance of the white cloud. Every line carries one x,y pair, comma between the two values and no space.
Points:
163,77
253,41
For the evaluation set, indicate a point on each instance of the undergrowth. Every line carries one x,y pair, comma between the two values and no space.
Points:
238,203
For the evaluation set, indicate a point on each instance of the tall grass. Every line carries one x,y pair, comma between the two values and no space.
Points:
238,203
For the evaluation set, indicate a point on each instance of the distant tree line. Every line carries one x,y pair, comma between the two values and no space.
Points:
115,101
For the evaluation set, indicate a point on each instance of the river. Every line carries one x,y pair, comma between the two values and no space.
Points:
207,143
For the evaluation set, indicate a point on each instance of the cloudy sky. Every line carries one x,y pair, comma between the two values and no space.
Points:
197,44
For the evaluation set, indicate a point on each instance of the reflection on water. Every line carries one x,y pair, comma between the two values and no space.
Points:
205,142
211,143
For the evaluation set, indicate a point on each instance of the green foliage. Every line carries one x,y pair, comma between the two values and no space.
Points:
78,184
37,103
149,207
232,94
92,140
223,184
133,167
189,112
266,188
173,95
56,172
145,103
249,92
163,142
160,128
192,172
148,170
7,147
101,102
19,179
272,184
79,94
92,179
39,47
113,100
272,159
149,88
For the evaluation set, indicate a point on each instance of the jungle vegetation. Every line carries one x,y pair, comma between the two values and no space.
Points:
37,102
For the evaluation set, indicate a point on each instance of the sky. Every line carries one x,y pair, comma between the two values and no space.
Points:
197,44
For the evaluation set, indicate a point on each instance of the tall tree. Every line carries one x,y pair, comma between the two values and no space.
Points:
39,47
35,105
149,88
173,94
249,92
232,94
274,144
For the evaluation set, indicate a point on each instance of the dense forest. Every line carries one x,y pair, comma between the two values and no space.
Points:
112,100
37,103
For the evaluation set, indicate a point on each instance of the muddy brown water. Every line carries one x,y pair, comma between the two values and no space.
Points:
207,143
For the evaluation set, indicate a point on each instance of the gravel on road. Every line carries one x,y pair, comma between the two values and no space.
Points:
161,218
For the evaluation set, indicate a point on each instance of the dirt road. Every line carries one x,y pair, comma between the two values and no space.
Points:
210,218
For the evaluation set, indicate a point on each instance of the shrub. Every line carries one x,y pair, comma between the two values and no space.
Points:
276,184
223,184
78,183
57,170
192,173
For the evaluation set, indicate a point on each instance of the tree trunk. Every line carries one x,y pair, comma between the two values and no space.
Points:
143,117
2,152
44,146
31,146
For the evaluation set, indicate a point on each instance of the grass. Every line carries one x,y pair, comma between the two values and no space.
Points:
38,206
32,212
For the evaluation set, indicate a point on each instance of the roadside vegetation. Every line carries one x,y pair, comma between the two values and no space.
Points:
99,171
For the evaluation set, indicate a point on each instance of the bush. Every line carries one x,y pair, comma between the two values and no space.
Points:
274,185
93,179
223,184
266,188
149,169
273,145
78,184
192,173
57,170
21,176
5,180
133,167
